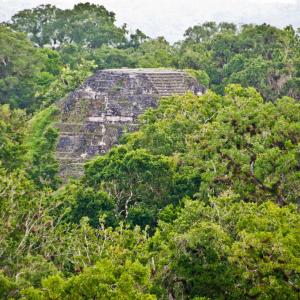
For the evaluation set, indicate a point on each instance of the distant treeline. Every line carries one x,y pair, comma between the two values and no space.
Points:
62,47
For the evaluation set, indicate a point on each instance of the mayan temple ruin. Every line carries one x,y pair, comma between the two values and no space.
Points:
95,115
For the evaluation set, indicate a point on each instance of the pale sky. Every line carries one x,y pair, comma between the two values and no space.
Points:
170,18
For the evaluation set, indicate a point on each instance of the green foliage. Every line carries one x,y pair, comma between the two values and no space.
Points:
37,126
36,22
138,182
28,75
164,129
155,53
40,141
250,147
200,76
233,142
261,56
207,31
86,24
109,58
68,80
96,205
129,281
11,137
35,244
20,66
137,38
231,154
45,168
212,180
7,287
230,249
25,221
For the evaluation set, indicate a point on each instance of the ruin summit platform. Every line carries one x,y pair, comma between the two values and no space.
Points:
95,115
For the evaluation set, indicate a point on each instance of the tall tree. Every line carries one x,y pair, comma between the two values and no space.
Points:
89,25
20,67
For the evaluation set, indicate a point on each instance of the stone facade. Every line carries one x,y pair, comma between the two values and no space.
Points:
95,115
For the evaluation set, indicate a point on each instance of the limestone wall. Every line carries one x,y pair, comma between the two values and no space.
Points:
95,115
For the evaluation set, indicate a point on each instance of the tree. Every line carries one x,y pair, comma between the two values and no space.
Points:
40,142
139,183
96,205
109,58
129,281
86,24
231,55
12,124
236,142
25,222
250,147
37,23
20,67
229,249
206,31
137,38
68,80
154,54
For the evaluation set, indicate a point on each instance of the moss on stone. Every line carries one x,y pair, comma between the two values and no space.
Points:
37,126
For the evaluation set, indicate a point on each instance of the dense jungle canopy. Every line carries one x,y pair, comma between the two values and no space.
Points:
202,202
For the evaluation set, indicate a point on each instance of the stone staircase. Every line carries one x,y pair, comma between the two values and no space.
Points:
167,84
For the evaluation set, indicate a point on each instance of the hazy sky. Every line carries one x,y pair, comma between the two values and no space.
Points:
170,18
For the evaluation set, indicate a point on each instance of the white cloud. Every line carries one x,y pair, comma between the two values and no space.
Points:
171,17
275,1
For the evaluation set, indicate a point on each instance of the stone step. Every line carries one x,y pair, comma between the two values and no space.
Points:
171,82
169,74
170,85
171,90
157,79
170,94
70,160
70,154
167,81
69,123
75,164
81,133
63,153
167,78
163,88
